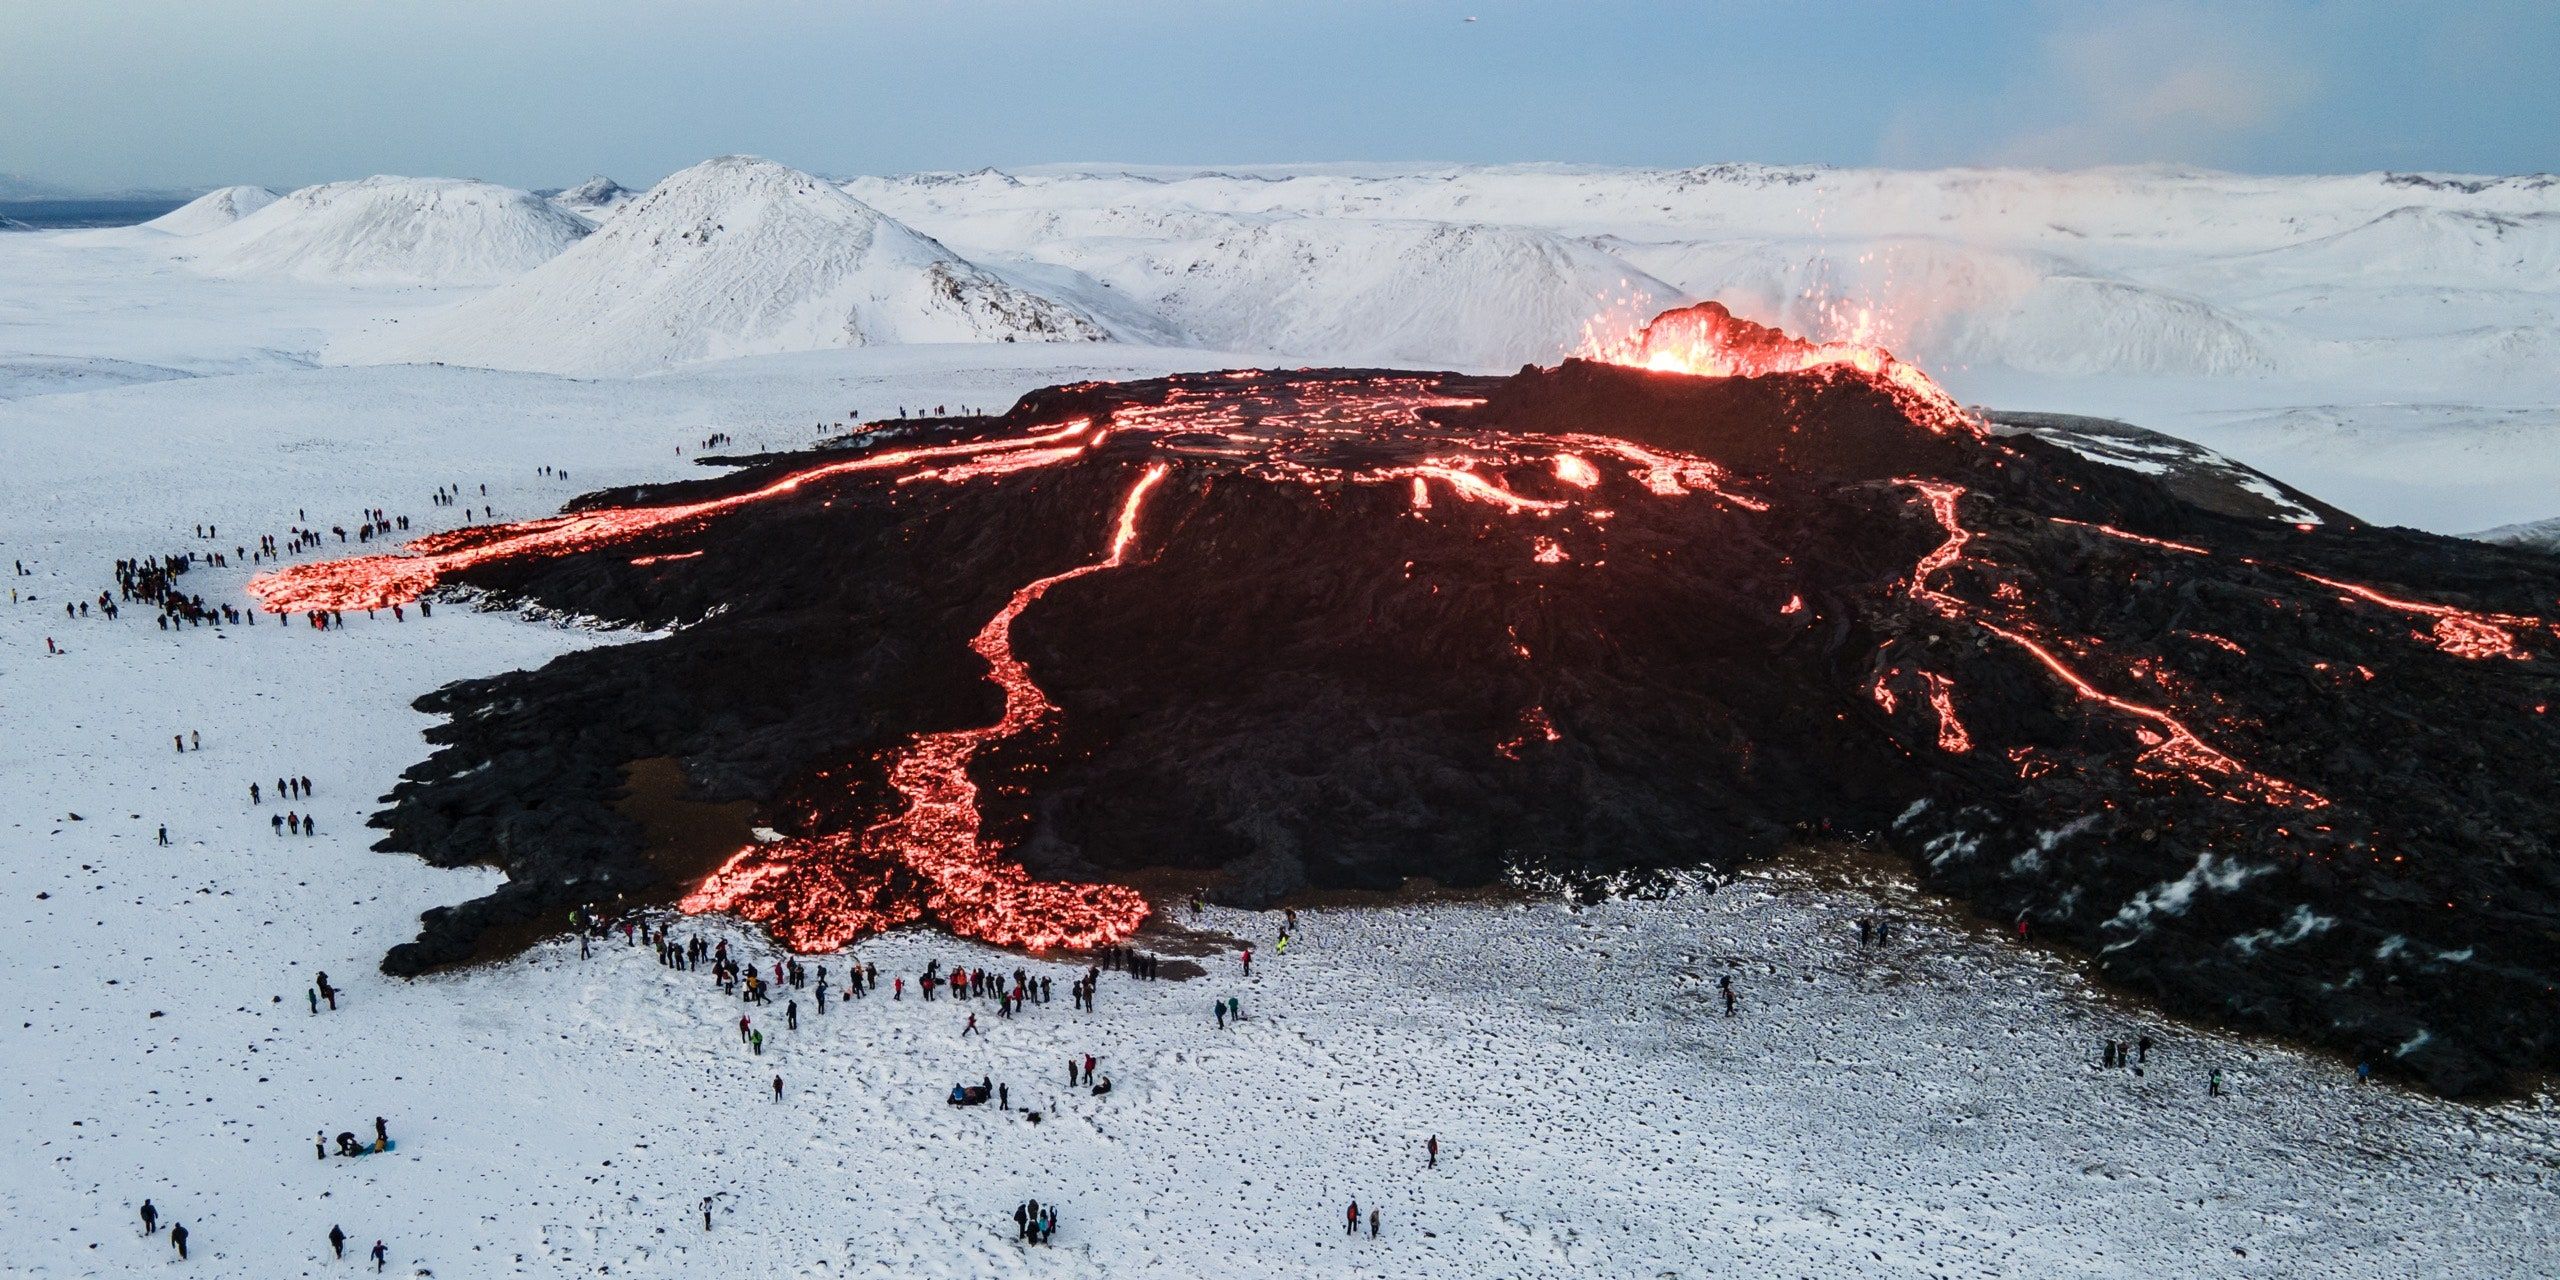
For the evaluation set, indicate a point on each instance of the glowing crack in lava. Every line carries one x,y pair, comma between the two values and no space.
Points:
929,860
379,582
1711,342
2169,746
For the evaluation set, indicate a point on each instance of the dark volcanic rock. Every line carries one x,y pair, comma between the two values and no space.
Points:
2135,723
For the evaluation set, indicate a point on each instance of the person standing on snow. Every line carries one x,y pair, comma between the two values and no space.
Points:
150,1219
1351,1219
178,1239
1433,1147
338,1240
381,1255
777,1088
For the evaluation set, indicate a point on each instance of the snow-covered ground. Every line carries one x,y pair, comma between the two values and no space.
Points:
1931,1109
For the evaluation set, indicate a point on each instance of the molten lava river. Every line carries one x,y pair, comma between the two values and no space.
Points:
1662,608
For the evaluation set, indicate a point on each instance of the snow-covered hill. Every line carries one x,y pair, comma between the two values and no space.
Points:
388,230
594,199
2544,534
735,256
213,210
1356,289
2116,272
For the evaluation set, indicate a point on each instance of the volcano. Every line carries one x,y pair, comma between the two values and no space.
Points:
1618,625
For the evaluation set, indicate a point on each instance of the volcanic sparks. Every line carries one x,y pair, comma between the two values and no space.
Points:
929,860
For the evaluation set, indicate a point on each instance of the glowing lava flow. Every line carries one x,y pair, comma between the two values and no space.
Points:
818,893
1709,341
378,582
2168,744
2460,632
1664,474
2124,535
1952,738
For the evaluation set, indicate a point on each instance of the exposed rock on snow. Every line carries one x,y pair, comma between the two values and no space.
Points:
387,230
735,256
595,199
22,376
2193,473
213,210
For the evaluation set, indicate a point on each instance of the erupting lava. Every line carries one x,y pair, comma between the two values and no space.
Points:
1707,340
819,893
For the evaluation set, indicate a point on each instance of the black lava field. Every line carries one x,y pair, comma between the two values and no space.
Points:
1593,627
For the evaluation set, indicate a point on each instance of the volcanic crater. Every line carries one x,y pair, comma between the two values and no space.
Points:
1614,626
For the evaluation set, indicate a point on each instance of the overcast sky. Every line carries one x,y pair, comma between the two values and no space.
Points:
115,93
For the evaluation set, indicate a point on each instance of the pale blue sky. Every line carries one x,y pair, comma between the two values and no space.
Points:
107,93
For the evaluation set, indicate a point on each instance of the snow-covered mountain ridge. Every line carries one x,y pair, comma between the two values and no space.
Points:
2140,271
392,230
735,256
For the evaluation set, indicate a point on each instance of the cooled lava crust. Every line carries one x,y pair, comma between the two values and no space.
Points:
1590,626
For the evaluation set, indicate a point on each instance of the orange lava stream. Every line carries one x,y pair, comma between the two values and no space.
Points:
2460,632
380,581
2168,744
1952,737
1666,474
2114,532
1476,488
819,893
